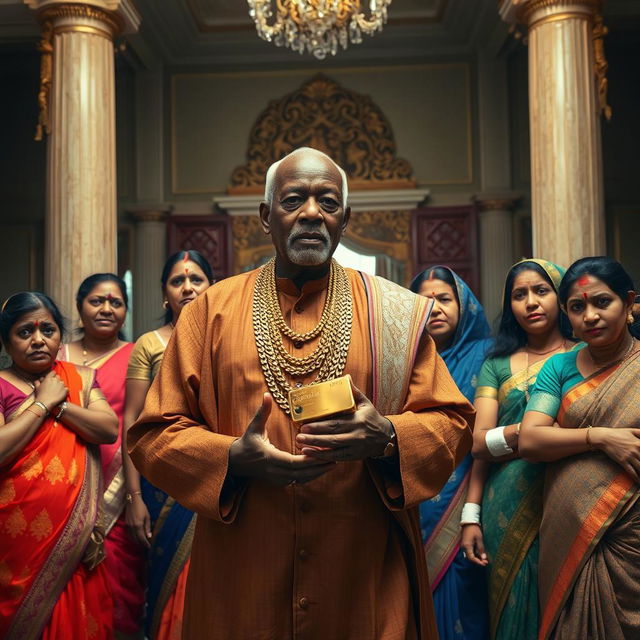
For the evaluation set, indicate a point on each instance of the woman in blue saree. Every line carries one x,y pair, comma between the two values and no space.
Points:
462,336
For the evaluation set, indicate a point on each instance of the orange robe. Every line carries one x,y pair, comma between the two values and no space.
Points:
326,559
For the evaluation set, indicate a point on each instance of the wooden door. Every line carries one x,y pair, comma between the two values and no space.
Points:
447,236
209,234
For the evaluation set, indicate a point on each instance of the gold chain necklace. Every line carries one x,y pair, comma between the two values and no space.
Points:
562,345
602,365
329,357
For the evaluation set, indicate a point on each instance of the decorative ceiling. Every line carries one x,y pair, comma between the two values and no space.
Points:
219,34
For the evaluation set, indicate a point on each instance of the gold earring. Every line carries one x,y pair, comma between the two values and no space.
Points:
630,318
165,304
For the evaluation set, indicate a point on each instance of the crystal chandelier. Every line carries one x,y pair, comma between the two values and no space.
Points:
316,26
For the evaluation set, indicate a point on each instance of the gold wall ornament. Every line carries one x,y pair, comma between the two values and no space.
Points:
601,65
45,46
251,246
317,26
347,126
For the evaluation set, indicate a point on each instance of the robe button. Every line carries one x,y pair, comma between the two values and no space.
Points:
299,308
303,603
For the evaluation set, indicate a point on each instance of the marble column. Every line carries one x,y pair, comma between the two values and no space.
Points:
81,207
150,256
496,246
566,158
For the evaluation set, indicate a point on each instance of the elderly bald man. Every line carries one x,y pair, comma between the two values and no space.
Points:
303,531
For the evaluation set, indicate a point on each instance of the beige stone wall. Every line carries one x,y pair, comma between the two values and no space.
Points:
430,108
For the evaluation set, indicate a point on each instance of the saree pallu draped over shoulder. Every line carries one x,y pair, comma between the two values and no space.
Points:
589,552
397,321
49,505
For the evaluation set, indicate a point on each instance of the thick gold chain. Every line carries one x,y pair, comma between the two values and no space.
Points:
329,357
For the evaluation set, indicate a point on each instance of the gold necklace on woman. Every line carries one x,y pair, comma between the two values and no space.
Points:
23,378
86,361
602,365
329,357
562,346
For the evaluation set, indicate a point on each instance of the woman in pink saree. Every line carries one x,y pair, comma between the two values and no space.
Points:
102,304
583,418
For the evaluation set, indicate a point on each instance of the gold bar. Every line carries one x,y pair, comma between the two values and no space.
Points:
319,401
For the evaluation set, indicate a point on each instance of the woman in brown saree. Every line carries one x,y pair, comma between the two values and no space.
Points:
583,418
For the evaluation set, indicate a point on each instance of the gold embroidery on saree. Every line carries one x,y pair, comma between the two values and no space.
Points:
72,478
16,523
7,492
54,471
32,466
519,380
487,392
41,526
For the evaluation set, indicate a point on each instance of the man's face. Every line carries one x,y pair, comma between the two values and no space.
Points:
306,217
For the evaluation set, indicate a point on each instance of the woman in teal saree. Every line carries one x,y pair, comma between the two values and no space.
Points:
509,490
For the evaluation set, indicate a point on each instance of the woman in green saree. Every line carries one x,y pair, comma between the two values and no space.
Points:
583,419
509,489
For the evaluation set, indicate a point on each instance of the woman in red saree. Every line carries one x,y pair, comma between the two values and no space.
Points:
102,304
52,414
583,418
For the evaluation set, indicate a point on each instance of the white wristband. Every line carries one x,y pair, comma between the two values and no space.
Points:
470,514
496,442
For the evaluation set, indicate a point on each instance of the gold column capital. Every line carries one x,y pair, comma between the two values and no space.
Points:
152,213
496,201
108,18
532,12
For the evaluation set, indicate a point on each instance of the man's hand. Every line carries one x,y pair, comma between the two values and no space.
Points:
253,456
353,436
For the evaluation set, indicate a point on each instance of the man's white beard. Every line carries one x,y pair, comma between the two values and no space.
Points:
309,257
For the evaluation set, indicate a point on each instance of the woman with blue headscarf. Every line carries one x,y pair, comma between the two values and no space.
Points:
462,336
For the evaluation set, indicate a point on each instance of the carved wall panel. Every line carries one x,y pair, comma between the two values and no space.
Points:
210,235
346,125
448,236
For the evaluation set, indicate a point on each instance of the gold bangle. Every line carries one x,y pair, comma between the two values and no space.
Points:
129,496
589,443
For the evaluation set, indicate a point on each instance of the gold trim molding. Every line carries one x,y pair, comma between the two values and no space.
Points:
347,126
153,215
45,46
496,204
